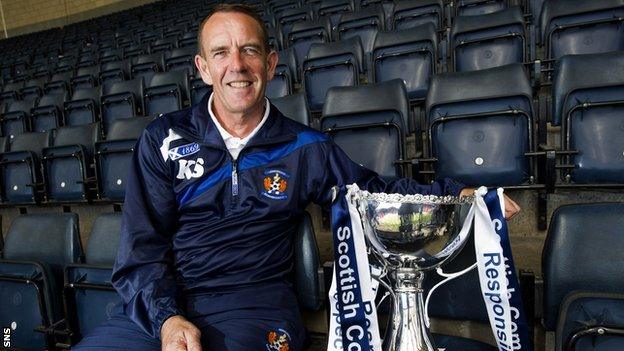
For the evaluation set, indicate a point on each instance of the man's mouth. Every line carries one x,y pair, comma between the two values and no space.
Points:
239,84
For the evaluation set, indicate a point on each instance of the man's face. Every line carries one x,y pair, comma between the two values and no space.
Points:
235,62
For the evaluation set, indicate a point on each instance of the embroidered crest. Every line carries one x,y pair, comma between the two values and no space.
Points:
275,184
278,340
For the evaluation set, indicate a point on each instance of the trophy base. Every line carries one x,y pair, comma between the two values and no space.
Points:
407,328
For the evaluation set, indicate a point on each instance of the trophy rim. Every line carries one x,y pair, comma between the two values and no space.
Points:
416,198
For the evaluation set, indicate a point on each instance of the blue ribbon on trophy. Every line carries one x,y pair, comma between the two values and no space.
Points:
353,323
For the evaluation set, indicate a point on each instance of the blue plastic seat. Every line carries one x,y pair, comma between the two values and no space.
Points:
587,27
84,106
147,65
181,59
294,107
121,100
412,50
364,24
48,112
21,168
67,164
413,13
479,136
89,296
582,266
368,123
198,89
114,71
479,7
85,77
490,40
285,75
113,156
16,117
330,65
31,275
165,92
587,104
304,34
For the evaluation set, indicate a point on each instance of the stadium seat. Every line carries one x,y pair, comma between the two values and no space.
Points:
33,88
58,83
333,9
47,113
121,100
479,7
198,90
587,94
294,107
587,27
109,55
413,13
363,24
10,91
31,275
21,168
113,156
67,167
367,122
162,45
288,17
187,39
490,40
147,65
411,50
85,77
4,146
284,79
89,296
330,65
114,71
307,265
16,117
304,34
582,264
134,50
181,59
83,107
479,136
165,92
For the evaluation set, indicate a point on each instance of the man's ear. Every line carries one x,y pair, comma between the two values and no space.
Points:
202,68
272,59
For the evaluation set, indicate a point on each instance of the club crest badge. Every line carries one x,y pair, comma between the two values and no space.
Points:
278,341
275,184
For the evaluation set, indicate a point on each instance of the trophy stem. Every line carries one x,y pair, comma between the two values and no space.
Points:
407,330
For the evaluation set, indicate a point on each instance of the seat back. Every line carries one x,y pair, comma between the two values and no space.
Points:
294,107
307,265
165,92
585,28
364,24
479,7
367,122
333,9
33,88
114,71
121,100
304,34
84,106
114,156
480,136
285,75
85,77
582,252
146,65
587,104
198,90
181,59
413,13
47,115
410,50
489,40
58,83
16,117
23,244
330,65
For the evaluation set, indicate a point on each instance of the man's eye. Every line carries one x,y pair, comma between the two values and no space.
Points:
219,53
251,51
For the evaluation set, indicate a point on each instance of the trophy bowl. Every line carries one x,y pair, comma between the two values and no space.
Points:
408,235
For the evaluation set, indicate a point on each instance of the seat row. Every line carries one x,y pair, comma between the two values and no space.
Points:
22,111
53,292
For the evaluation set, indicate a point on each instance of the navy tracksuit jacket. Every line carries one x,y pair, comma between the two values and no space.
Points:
198,224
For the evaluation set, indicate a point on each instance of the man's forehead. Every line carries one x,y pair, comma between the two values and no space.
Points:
222,27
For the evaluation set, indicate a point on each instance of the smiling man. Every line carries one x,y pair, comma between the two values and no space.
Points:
212,202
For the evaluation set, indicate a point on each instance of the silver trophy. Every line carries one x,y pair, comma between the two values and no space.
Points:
408,235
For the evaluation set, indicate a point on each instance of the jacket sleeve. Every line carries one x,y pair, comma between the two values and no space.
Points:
340,170
143,271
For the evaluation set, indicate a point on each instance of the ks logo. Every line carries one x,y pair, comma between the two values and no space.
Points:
191,169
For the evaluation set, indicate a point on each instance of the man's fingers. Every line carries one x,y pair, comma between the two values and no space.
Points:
511,208
192,341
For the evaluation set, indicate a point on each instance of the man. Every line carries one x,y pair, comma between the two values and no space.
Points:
212,199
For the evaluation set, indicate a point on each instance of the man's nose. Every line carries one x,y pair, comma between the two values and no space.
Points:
237,63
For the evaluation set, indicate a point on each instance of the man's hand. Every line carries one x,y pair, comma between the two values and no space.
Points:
178,334
511,207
